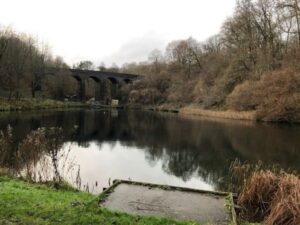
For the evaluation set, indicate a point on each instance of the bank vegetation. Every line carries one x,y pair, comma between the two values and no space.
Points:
267,195
252,64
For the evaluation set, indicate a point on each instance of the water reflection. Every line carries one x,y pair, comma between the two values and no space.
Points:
161,148
116,161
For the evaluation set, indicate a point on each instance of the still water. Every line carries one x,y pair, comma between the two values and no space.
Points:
101,146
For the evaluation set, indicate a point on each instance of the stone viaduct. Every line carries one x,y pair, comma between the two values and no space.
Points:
102,78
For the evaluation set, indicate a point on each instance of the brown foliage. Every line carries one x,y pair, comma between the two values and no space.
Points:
271,198
276,96
257,195
151,90
228,114
244,97
145,96
280,97
29,153
30,158
6,146
285,207
200,92
181,91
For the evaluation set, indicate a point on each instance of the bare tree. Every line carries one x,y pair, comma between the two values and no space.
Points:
185,54
156,58
292,14
84,65
102,67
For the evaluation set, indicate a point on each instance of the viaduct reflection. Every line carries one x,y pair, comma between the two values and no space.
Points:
186,147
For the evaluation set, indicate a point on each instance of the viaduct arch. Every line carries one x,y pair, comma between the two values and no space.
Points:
102,79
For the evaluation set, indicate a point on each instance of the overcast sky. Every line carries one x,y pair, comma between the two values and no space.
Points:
113,30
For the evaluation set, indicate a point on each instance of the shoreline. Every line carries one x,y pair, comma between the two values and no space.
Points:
28,104
200,112
23,202
225,114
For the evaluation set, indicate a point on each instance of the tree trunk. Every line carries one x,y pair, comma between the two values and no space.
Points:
32,90
297,19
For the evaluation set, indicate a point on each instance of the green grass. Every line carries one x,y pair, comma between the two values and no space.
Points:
35,104
25,203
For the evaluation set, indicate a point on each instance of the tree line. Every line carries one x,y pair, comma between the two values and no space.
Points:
28,69
251,64
24,68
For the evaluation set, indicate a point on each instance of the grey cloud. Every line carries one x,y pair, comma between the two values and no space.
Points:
136,50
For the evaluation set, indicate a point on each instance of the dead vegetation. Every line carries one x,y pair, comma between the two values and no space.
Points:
36,157
275,97
228,114
269,196
251,65
40,157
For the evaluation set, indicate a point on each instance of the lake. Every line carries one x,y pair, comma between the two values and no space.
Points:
100,146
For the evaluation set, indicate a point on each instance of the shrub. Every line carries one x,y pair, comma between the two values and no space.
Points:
150,90
270,195
145,96
181,91
224,85
243,97
6,147
30,152
280,93
200,91
276,96
285,205
257,194
35,156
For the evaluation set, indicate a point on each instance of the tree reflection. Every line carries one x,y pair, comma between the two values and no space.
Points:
185,146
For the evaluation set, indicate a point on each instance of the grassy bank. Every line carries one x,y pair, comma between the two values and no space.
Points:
35,104
228,114
25,203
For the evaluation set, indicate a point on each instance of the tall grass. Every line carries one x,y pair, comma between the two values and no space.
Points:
271,196
228,114
36,158
41,157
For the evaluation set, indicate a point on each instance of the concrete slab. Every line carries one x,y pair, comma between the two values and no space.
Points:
174,203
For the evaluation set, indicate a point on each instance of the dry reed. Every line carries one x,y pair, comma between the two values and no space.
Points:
228,114
256,195
285,205
272,198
